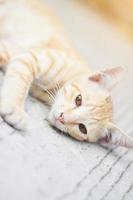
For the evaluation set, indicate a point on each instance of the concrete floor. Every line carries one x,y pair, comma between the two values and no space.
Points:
43,164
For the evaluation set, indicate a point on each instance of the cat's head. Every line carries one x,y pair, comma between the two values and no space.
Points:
83,108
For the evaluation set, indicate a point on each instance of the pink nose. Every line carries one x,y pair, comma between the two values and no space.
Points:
61,118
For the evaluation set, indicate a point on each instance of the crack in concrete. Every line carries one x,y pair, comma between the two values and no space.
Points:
127,192
117,181
86,176
102,178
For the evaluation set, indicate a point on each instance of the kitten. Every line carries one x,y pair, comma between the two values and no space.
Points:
37,56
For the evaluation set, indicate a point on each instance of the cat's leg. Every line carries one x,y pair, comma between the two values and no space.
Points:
21,71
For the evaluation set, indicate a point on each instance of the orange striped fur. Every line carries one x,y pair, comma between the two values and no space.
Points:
39,57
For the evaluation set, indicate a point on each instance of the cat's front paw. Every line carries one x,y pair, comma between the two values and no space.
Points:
14,116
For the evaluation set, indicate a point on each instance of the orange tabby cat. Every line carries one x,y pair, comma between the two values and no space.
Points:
36,52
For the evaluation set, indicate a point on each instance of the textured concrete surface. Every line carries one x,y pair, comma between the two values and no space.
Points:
43,164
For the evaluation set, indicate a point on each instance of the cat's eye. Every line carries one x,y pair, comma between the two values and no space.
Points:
82,128
78,100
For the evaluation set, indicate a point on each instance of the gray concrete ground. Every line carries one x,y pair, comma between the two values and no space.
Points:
43,164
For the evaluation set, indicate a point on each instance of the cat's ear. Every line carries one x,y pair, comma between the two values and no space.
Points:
109,77
116,136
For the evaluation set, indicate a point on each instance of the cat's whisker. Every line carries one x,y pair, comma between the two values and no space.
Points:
58,86
52,92
51,96
55,91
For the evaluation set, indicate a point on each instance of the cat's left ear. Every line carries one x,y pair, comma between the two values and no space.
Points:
109,77
116,136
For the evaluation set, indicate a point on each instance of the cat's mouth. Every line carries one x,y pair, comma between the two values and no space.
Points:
54,121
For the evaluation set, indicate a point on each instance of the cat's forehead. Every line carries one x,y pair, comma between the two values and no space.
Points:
87,89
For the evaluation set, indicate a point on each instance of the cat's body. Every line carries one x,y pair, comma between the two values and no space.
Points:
29,25
38,55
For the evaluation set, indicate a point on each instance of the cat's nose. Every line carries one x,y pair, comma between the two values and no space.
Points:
61,118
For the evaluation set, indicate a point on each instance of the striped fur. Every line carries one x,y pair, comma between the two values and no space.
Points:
38,56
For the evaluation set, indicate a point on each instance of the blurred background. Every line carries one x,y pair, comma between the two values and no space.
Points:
101,30
120,13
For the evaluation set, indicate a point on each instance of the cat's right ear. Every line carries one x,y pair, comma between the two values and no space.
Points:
116,136
109,77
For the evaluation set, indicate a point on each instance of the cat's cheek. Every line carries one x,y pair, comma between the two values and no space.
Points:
81,137
77,136
51,118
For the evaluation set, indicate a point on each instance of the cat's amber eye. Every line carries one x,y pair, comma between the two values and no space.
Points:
78,100
82,128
